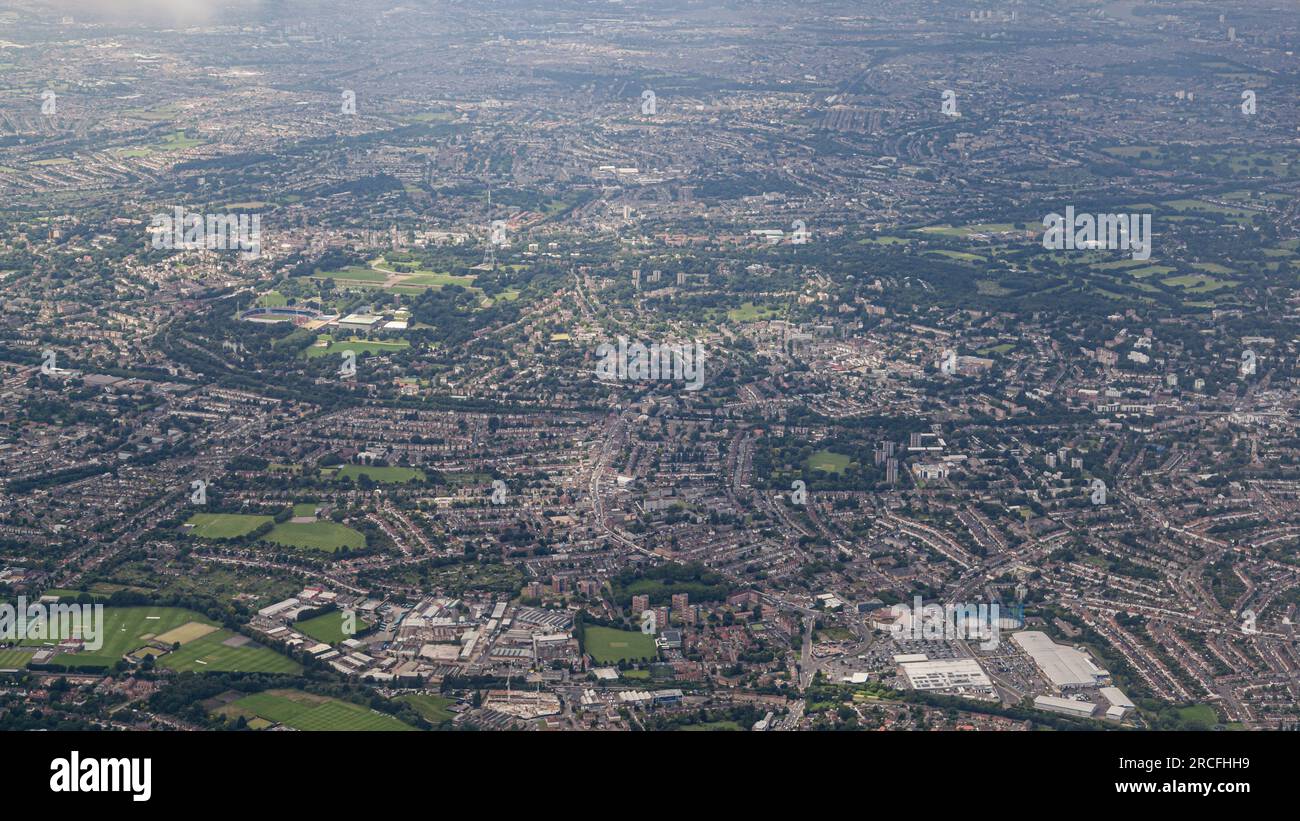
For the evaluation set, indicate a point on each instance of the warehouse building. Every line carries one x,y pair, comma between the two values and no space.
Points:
956,676
1064,666
1119,703
1065,706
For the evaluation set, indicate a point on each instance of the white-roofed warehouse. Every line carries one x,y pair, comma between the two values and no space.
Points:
1064,666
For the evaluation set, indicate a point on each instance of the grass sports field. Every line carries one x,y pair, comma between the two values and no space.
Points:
439,280
355,273
432,708
359,346
15,659
749,312
305,711
386,475
327,628
127,629
99,591
225,525
400,275
227,652
203,643
712,727
607,645
327,536
968,230
320,535
828,461
187,633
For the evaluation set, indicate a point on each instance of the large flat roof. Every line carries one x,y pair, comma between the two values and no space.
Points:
1063,665
1064,705
943,674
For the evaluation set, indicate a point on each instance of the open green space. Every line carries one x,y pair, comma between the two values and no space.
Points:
835,634
1199,284
749,312
827,461
157,114
608,646
216,653
327,536
1202,713
305,711
177,141
384,475
969,230
318,535
960,256
356,273
402,276
15,658
433,708
1117,263
712,727
225,525
435,279
1193,206
328,627
884,240
1146,152
1004,348
1149,270
128,630
360,346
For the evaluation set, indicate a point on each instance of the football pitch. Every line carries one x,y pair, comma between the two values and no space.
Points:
432,707
384,475
327,536
607,645
306,711
828,461
319,535
225,525
327,628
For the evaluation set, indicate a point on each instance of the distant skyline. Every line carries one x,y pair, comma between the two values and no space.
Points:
158,12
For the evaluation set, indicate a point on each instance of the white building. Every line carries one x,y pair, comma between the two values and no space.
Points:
1119,703
1064,666
361,322
964,676
1065,706
278,607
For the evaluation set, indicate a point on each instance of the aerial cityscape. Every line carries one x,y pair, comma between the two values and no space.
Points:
649,365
